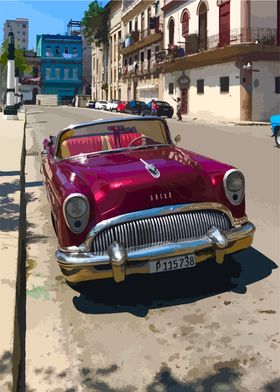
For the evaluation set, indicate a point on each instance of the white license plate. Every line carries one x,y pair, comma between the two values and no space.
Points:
173,263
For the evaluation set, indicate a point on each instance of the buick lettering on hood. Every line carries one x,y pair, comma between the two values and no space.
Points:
127,200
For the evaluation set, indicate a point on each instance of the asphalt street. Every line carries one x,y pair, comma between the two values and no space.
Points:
206,329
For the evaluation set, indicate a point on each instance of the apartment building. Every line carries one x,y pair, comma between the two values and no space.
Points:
222,58
115,58
61,65
74,28
20,28
142,37
106,58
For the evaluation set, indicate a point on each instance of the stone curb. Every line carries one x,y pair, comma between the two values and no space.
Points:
12,248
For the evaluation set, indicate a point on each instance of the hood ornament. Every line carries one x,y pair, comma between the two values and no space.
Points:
151,169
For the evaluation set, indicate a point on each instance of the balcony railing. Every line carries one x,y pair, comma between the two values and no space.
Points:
139,68
30,80
64,56
195,44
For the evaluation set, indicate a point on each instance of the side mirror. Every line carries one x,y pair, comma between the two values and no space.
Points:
177,139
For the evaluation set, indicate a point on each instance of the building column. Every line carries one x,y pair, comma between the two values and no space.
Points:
10,110
245,20
246,91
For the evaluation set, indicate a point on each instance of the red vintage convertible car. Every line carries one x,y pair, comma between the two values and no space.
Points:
126,200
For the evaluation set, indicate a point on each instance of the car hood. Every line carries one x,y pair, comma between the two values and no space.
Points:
122,182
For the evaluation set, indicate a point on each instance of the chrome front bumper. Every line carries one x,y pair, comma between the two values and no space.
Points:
79,265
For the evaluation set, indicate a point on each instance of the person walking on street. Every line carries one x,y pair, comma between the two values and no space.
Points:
154,108
179,108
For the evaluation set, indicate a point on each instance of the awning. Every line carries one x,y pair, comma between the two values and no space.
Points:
147,87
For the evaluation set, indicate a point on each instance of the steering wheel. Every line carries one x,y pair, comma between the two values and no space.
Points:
140,137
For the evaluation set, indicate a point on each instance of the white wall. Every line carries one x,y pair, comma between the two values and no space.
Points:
147,95
115,17
265,101
235,14
212,104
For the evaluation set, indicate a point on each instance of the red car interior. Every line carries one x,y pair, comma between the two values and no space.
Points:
94,143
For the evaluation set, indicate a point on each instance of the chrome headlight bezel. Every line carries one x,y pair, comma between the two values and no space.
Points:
234,191
76,224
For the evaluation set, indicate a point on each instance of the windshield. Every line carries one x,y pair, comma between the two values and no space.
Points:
113,135
161,103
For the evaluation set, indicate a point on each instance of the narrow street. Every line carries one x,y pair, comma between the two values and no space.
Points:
207,329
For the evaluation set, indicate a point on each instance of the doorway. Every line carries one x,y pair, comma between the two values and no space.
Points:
224,24
34,93
184,98
202,26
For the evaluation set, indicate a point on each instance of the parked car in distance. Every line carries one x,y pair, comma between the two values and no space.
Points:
137,107
125,200
164,108
121,106
275,126
101,105
90,104
113,104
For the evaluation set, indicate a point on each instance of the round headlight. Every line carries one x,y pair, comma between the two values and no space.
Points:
234,185
76,207
235,182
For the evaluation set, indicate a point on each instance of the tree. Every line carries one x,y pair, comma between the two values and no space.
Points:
20,62
95,22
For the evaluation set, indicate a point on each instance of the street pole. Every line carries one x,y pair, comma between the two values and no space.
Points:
10,110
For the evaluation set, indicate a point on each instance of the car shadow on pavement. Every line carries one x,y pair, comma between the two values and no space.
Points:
139,293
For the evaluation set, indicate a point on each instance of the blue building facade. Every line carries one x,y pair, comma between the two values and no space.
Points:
61,64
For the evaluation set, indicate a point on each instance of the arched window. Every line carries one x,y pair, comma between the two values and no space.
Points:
171,27
185,23
202,24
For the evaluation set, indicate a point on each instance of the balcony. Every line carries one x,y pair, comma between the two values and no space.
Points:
133,8
170,5
139,69
197,48
62,56
140,39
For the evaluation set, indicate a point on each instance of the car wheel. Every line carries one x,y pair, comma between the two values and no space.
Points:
277,136
169,116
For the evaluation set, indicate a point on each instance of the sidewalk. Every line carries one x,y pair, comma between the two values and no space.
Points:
11,140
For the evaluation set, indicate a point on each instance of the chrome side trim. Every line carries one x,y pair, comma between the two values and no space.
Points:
165,210
76,259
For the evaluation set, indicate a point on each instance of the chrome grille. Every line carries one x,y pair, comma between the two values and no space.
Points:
151,232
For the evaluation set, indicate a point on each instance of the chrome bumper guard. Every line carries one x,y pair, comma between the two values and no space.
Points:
79,265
